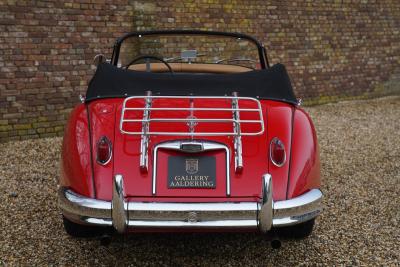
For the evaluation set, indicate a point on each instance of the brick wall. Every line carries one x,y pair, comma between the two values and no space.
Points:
331,48
46,50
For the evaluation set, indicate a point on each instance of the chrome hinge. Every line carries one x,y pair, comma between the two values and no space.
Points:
299,101
82,98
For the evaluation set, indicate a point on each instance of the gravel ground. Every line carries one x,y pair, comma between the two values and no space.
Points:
360,153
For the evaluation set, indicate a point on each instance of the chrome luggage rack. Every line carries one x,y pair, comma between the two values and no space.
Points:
144,122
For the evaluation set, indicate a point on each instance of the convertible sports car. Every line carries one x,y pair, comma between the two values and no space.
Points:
189,131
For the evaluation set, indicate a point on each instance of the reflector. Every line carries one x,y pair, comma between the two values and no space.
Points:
277,152
103,150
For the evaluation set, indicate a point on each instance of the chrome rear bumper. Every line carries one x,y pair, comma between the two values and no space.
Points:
130,216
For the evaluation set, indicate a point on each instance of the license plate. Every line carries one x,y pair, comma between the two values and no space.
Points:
191,172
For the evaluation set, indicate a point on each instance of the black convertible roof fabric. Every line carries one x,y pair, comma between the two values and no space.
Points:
110,81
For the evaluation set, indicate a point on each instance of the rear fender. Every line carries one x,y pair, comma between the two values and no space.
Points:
304,173
76,164
279,125
102,123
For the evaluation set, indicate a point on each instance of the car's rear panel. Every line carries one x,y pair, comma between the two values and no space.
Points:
245,184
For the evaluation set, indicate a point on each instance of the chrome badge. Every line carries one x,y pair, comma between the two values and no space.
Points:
191,122
192,166
192,217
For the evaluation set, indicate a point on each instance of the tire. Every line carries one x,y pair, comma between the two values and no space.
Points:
78,230
298,231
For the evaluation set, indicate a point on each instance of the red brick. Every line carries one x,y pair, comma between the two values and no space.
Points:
46,48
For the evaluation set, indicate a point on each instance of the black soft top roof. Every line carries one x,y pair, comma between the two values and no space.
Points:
110,81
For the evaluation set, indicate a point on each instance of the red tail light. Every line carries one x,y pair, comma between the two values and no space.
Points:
277,152
104,150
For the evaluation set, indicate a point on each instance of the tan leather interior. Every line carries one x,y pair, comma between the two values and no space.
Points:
194,67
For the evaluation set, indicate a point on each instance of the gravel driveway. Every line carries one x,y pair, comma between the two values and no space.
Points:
360,153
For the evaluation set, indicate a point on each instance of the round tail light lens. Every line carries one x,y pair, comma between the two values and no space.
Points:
277,152
104,150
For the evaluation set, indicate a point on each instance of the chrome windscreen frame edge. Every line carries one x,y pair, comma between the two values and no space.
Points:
177,146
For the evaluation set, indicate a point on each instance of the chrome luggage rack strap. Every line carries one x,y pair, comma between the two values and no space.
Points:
147,118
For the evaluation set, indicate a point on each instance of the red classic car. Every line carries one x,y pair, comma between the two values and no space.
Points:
189,131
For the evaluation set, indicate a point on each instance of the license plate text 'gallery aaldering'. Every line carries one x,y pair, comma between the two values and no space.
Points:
191,172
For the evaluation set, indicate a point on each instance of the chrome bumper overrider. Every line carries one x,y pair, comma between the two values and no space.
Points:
133,216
